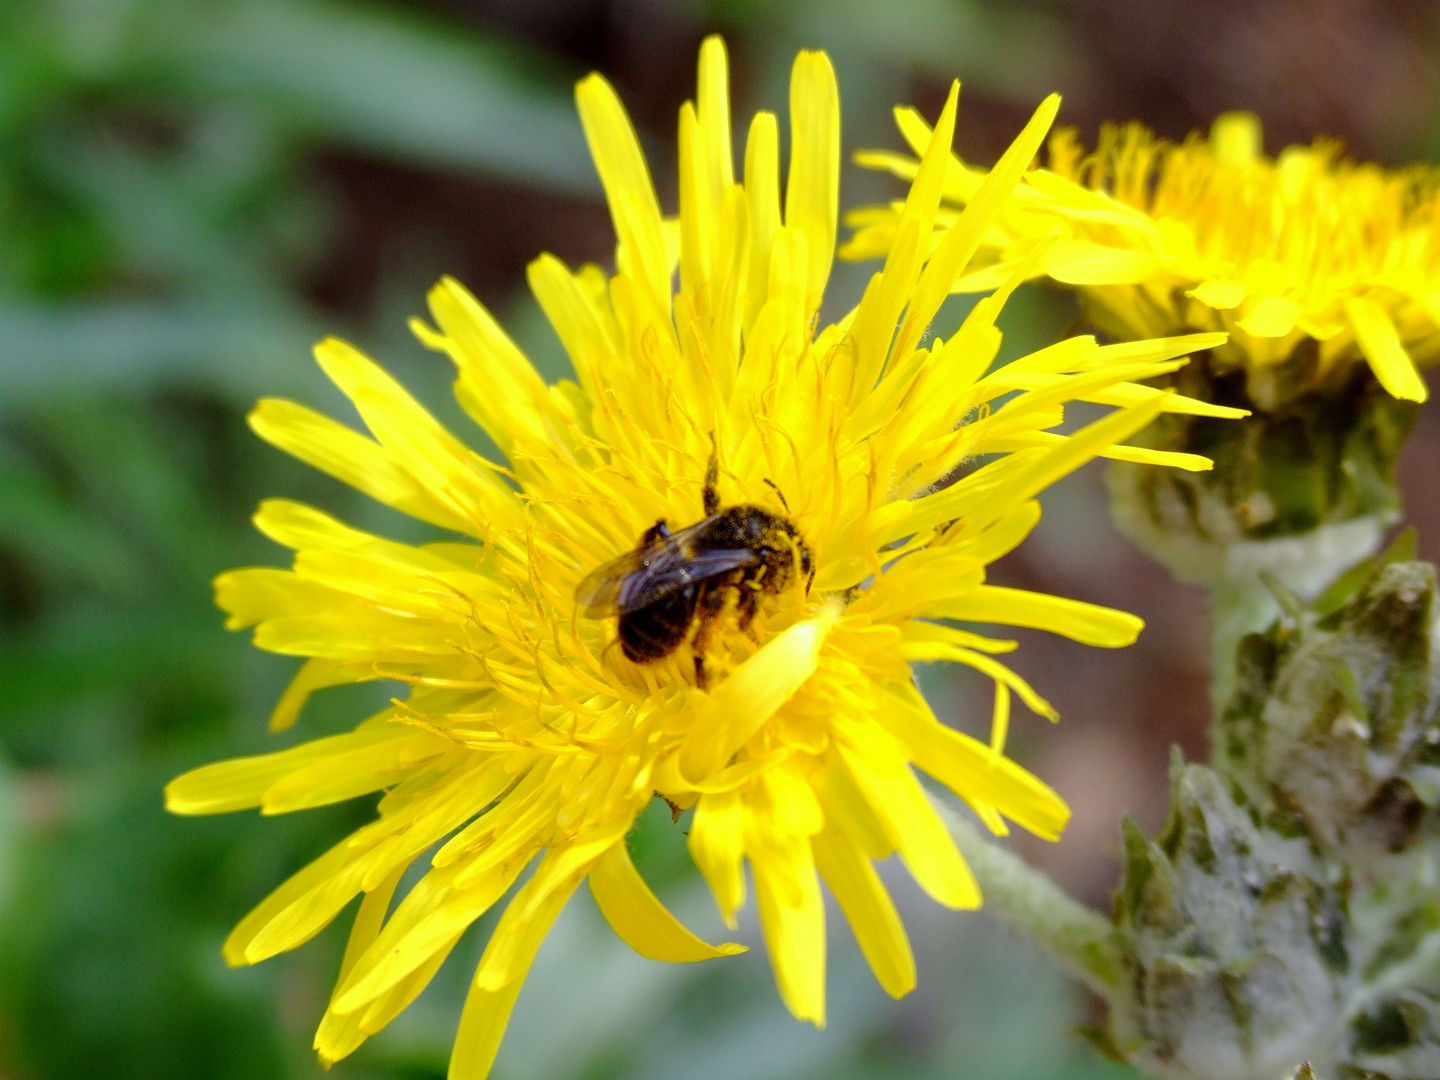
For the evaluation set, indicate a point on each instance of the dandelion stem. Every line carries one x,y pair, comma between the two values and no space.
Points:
1080,938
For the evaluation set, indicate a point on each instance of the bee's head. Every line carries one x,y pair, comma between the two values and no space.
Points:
782,550
799,551
792,555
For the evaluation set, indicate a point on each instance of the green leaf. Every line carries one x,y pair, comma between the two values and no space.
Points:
384,82
9,834
134,345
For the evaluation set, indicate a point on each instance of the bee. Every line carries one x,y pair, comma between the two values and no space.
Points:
674,586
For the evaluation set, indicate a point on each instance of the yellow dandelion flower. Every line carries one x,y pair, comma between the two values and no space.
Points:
763,680
1313,264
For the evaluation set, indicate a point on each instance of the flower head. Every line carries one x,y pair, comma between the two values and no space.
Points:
785,717
1313,264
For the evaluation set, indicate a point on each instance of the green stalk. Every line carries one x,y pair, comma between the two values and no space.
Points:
1080,939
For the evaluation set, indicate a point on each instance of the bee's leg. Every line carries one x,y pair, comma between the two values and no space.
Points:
711,494
712,603
747,606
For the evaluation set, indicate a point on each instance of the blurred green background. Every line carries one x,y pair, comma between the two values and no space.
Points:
192,194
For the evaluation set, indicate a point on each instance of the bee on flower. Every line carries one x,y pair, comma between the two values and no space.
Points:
569,655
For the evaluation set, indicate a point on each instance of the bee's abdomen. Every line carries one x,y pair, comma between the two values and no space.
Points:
658,629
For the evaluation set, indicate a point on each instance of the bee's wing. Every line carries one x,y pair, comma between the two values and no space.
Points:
599,591
674,570
613,586
638,578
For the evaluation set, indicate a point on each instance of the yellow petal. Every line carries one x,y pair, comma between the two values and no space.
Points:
917,218
1219,294
1023,477
1083,262
628,190
394,1001
790,803
961,242
812,192
1270,317
496,384
255,595
961,182
527,919
573,314
970,769
305,903
314,674
752,694
717,844
1235,138
1000,719
848,812
491,1000
351,631
428,921
762,197
1127,394
368,921
357,771
1002,537
869,910
642,922
1172,459
1380,343
713,108
938,648
302,527
911,825
348,456
1088,624
297,910
1065,458
920,631
902,165
792,917
455,477
241,783
339,1036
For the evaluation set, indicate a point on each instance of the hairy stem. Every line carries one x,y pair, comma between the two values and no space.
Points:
1082,940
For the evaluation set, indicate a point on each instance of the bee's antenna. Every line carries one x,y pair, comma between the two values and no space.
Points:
778,494
711,493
